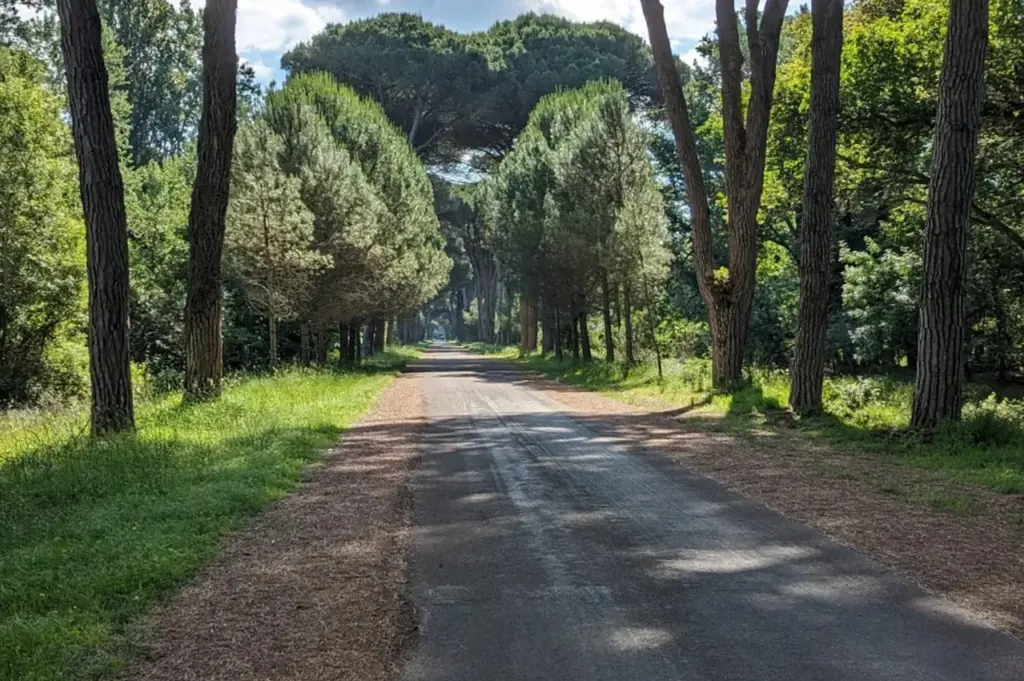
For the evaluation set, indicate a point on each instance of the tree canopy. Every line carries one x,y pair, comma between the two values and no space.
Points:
453,93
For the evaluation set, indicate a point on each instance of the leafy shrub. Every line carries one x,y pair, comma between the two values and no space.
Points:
683,338
992,422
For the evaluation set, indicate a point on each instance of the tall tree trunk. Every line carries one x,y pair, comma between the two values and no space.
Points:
574,337
627,308
379,331
729,299
606,311
342,345
558,335
938,391
323,343
460,308
588,356
304,343
486,277
203,352
548,326
527,323
273,341
106,230
808,374
353,344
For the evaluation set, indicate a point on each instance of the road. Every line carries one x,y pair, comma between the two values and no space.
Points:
544,549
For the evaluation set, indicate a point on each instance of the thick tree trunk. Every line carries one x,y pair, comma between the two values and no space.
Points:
606,311
203,351
460,308
304,343
323,343
342,345
204,363
558,335
353,344
527,323
106,230
627,309
729,300
548,326
808,373
486,276
574,338
379,339
588,356
938,391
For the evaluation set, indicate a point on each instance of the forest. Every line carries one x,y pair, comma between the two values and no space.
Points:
817,221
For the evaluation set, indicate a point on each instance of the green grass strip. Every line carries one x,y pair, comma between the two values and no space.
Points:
92,533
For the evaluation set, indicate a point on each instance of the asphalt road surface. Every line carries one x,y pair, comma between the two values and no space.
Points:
546,550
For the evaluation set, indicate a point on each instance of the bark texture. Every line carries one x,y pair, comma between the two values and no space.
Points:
728,294
203,351
606,312
810,349
106,228
627,304
938,392
527,323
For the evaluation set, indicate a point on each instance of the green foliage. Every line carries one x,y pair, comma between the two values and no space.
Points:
92,533
269,234
157,200
576,202
42,258
377,219
453,93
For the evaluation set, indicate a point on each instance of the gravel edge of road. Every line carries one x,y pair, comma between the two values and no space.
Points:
316,587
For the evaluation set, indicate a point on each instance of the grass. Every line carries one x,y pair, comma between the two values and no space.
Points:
92,533
863,414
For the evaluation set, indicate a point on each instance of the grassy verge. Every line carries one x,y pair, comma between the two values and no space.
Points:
93,532
507,352
864,414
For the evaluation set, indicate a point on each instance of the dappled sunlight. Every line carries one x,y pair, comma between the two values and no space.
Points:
631,639
726,561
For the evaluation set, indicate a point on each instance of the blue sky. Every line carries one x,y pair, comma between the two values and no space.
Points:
267,28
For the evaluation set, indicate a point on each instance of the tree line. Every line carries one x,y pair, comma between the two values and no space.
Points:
819,195
321,216
831,189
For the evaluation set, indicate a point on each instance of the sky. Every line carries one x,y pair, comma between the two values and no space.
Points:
268,28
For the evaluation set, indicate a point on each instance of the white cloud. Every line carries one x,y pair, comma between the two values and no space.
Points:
276,25
685,19
264,72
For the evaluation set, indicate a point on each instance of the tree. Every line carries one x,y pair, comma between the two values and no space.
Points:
575,208
270,232
808,373
728,292
425,76
938,390
451,93
206,224
42,266
161,46
372,202
102,192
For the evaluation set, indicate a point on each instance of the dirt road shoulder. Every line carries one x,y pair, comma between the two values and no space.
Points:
315,587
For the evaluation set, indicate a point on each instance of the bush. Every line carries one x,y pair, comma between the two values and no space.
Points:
683,338
992,422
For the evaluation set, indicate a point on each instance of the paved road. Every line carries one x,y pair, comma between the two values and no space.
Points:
545,551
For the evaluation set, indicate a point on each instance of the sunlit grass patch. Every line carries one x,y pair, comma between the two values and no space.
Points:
93,532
